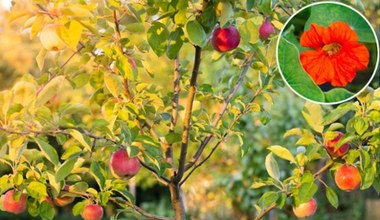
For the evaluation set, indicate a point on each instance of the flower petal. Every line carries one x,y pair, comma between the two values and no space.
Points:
313,37
318,66
340,32
357,54
344,72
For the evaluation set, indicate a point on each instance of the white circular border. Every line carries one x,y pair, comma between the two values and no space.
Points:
373,32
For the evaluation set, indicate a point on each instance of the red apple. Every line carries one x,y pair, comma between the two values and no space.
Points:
124,166
50,39
305,209
330,146
12,205
348,178
266,29
225,39
92,212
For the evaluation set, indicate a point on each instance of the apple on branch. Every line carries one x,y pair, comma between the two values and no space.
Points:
122,165
92,212
225,39
13,205
50,38
347,178
306,209
330,146
266,29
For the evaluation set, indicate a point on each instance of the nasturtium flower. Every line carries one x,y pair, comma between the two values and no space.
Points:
336,54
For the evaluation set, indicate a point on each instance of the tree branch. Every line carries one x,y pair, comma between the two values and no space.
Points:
227,100
189,108
175,105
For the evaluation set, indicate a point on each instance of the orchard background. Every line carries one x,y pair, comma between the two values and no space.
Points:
218,135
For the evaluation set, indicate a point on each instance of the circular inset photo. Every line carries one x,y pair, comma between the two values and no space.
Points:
327,52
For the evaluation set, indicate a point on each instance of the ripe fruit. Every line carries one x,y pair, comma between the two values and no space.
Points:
92,212
63,201
225,39
50,39
12,205
124,166
305,209
266,29
342,150
348,178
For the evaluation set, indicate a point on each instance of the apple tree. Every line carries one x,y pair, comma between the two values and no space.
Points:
102,109
153,88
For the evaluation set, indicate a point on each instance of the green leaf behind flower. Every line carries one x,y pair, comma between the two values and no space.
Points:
297,78
325,14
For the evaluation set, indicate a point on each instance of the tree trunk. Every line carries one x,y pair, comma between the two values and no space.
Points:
177,201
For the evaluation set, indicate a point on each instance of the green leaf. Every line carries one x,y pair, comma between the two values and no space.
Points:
48,151
175,43
127,195
47,211
24,93
325,14
65,169
49,90
36,190
78,207
249,32
272,166
361,125
123,64
158,35
196,33
173,138
365,159
332,197
268,199
98,174
257,185
282,152
226,12
80,138
306,191
114,84
71,152
313,116
337,95
337,113
368,177
294,74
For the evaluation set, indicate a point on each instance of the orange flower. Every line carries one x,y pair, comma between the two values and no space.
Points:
337,54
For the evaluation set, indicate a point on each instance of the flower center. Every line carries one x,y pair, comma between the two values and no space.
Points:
332,48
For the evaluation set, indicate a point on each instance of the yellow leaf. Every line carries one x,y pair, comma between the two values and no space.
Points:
36,26
41,58
75,30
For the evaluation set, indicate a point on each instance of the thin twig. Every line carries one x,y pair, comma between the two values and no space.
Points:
160,178
72,56
228,99
139,210
316,174
232,124
266,211
189,108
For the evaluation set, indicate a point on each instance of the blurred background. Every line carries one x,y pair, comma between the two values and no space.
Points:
221,188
